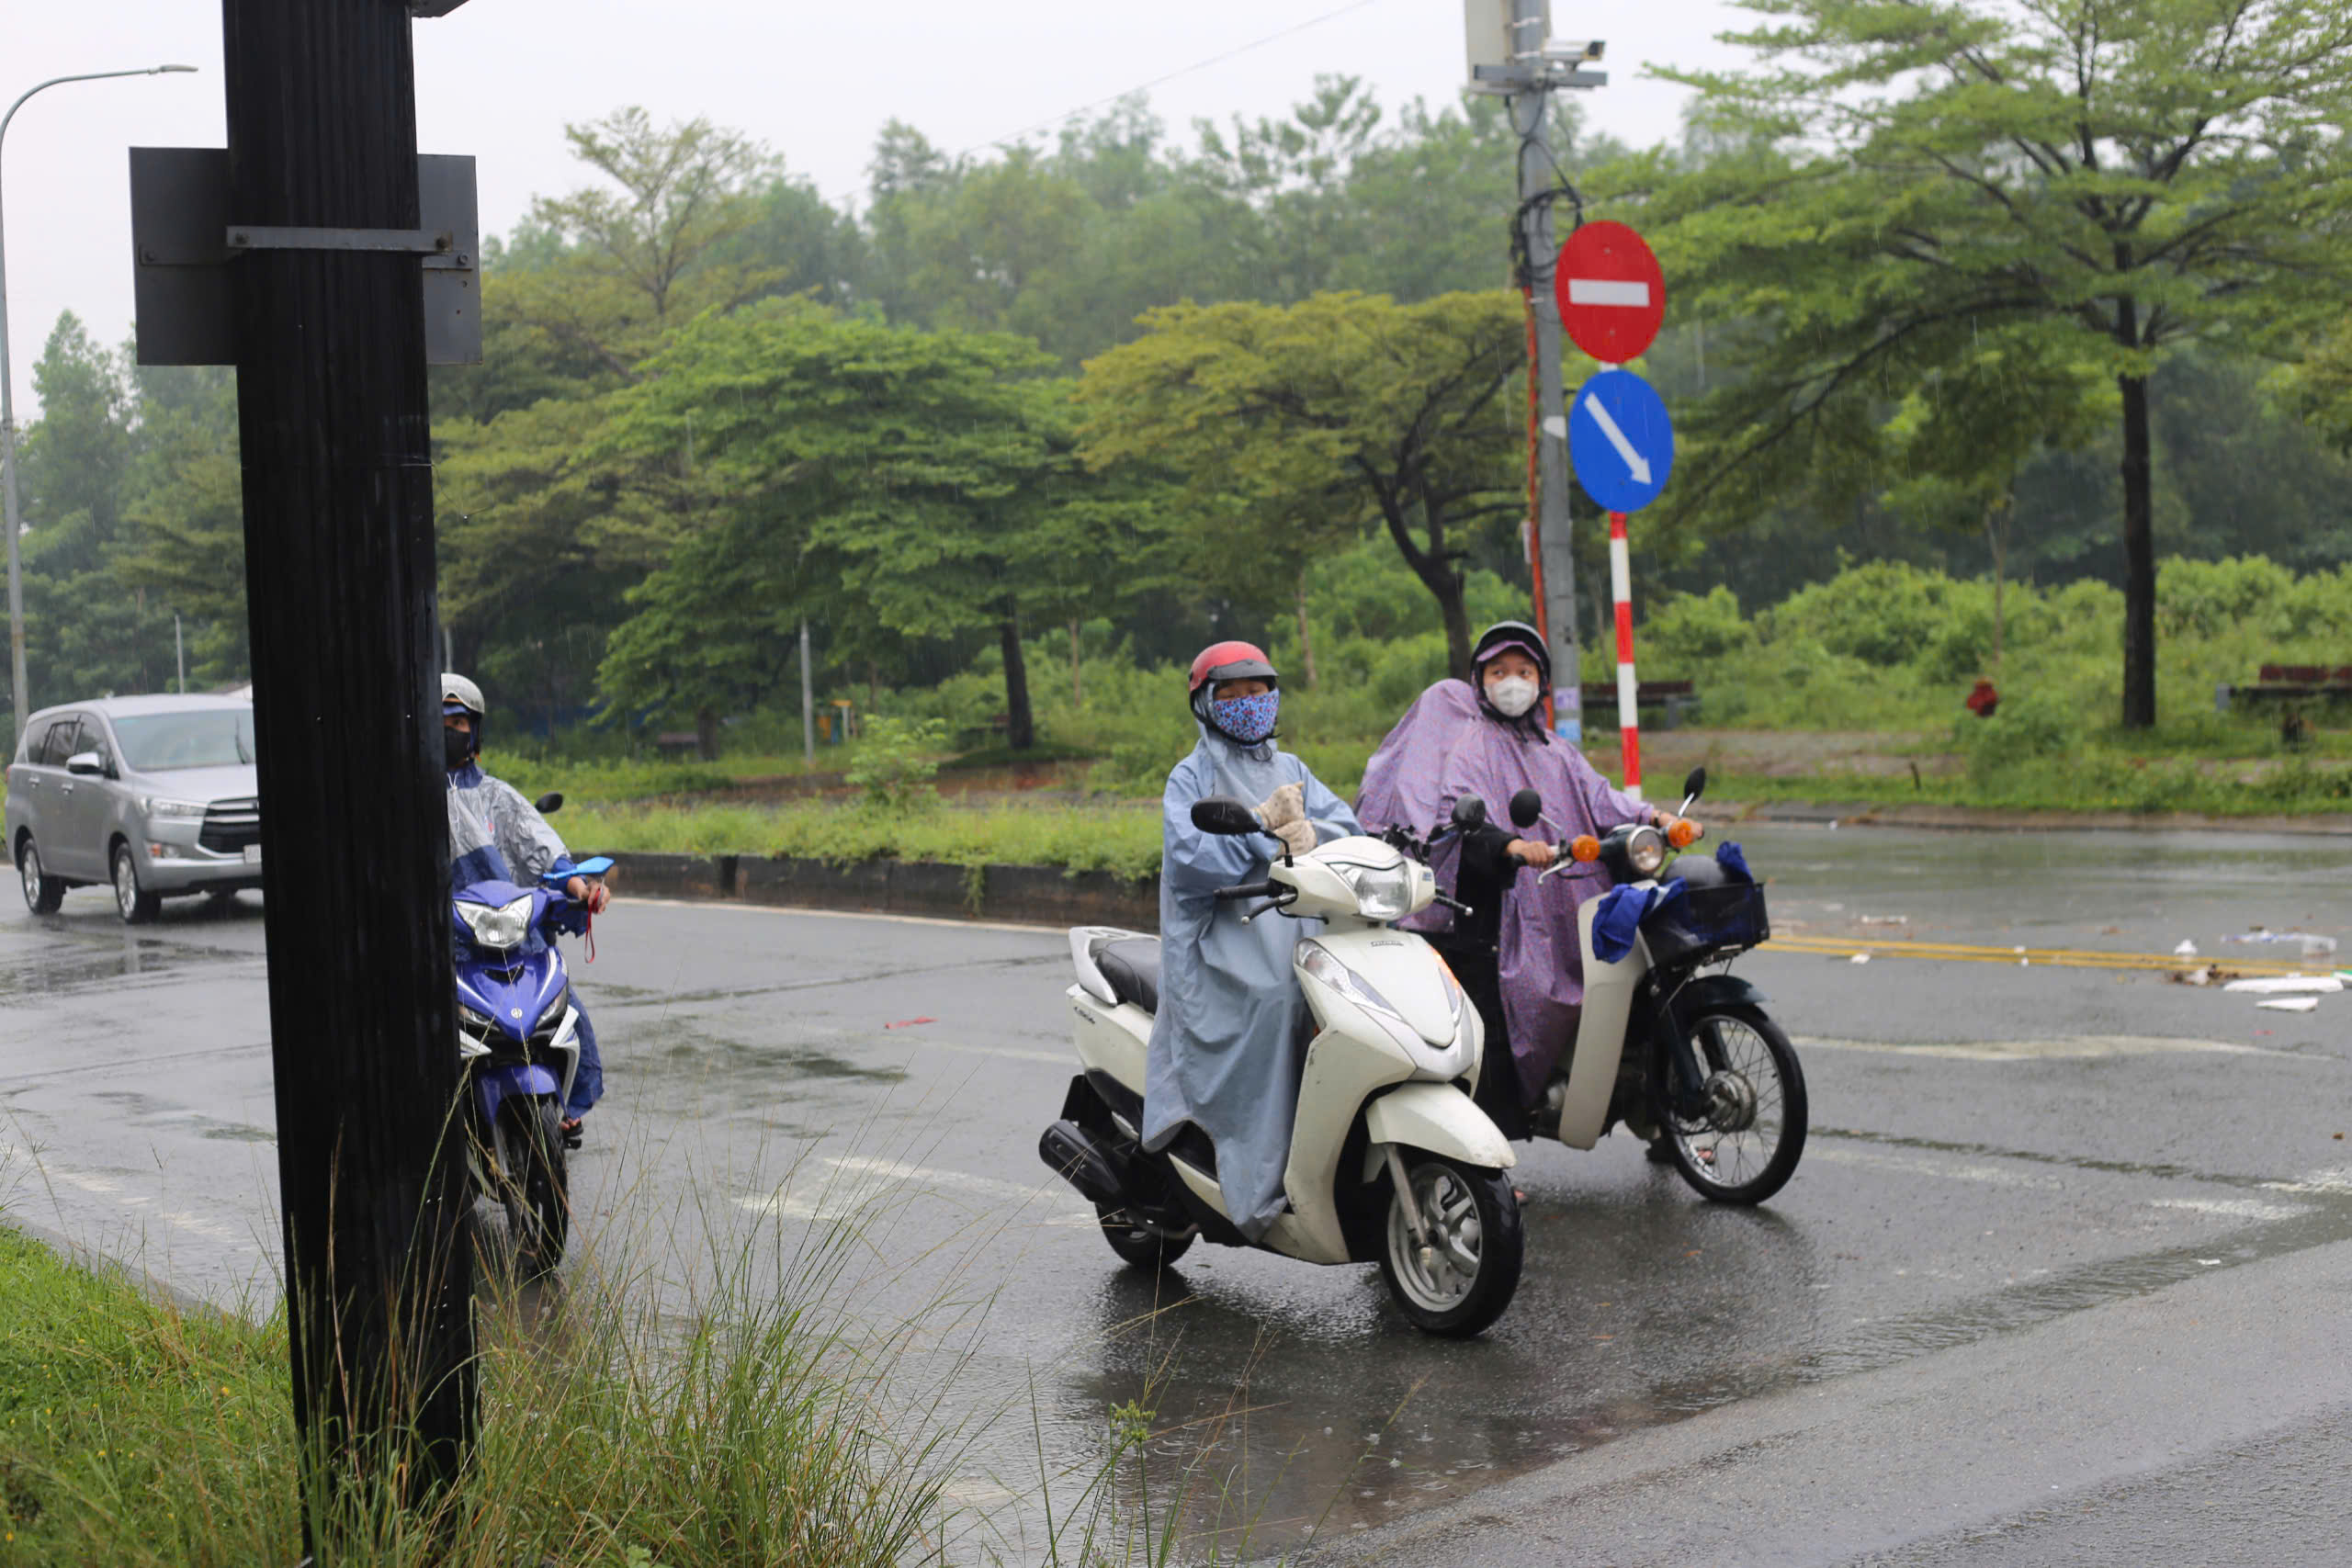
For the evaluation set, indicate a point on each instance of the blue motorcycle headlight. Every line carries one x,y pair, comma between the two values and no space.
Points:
502,928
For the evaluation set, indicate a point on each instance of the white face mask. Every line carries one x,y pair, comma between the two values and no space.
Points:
1512,695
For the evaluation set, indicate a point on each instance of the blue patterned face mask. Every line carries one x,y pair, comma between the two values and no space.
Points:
1247,719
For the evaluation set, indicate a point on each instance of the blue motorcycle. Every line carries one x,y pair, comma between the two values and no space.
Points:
518,1046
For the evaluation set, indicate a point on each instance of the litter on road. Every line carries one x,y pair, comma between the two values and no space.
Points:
2288,985
1860,958
2289,1004
2312,945
2186,950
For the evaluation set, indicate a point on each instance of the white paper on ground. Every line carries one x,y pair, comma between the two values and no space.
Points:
2289,1004
2289,985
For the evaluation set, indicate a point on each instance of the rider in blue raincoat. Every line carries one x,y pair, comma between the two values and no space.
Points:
496,835
1226,1047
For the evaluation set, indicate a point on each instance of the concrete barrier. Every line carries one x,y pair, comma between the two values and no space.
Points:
1029,895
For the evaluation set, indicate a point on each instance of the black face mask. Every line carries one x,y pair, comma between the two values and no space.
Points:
456,748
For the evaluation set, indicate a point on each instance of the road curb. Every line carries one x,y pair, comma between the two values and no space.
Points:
1974,819
1029,895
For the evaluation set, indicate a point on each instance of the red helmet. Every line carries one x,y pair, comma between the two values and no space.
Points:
1231,662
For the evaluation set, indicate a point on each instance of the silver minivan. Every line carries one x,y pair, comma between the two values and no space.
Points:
152,796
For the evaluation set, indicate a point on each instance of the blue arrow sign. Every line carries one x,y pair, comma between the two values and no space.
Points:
1620,440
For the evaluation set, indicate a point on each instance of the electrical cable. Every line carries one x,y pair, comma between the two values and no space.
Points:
1161,81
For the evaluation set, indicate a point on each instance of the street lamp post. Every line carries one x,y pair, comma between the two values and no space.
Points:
9,410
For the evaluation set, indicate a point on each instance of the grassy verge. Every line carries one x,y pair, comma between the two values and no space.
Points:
133,1433
1123,840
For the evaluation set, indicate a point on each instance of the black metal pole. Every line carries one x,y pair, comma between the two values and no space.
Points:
339,563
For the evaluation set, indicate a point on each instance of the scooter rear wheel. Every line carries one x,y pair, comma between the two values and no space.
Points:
1468,1274
1139,1248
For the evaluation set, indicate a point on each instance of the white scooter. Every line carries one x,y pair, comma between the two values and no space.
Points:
1390,1159
1689,1061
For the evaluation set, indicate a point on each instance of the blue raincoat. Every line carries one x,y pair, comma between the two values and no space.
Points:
1225,1054
495,835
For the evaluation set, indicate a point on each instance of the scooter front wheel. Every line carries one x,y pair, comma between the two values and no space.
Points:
1461,1281
532,1185
1743,1144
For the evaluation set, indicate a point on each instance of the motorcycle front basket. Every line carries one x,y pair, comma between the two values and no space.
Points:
1708,921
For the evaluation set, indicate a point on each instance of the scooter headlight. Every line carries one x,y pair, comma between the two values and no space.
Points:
1383,892
473,1021
1646,851
503,927
1318,961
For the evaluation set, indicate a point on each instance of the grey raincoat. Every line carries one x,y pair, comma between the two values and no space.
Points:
1226,1053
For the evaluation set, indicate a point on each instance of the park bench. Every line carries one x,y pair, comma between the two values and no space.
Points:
676,743
1677,699
2288,683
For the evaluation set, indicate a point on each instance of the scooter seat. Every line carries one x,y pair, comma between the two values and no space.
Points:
1132,967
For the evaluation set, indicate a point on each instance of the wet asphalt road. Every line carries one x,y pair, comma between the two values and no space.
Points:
2061,1278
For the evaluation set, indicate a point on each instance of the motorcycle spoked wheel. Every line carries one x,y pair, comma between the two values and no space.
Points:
1472,1269
1746,1145
1138,1246
530,1184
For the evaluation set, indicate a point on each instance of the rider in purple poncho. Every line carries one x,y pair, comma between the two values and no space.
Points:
1517,955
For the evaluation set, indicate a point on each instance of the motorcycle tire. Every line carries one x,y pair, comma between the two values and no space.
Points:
1140,1247
1469,1205
1739,1045
532,1186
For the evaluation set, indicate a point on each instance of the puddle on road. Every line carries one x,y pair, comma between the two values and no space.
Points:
146,1109
1311,1460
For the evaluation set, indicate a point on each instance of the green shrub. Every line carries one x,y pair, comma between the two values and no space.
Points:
2029,728
896,763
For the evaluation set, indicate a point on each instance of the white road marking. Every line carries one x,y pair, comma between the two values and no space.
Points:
2080,1047
860,1180
2003,1176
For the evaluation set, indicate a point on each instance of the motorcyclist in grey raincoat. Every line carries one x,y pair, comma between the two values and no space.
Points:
496,835
1226,1053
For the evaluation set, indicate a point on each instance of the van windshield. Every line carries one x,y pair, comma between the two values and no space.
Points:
206,738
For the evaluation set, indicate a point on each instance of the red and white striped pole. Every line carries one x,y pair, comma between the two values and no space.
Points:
1621,589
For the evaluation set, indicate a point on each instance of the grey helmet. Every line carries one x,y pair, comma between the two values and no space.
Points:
460,694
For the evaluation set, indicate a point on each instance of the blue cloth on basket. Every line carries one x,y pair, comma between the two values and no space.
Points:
1622,910
1735,864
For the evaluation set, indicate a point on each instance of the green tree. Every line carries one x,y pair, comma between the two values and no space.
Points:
1895,178
861,473
1965,431
1295,423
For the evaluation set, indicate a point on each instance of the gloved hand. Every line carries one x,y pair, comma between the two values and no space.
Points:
1285,806
1298,835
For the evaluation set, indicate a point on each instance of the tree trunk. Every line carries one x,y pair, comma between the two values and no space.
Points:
1306,643
1020,729
1448,589
1997,534
2139,558
707,734
1077,670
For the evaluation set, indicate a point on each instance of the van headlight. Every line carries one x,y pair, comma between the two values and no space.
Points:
503,927
154,806
1383,892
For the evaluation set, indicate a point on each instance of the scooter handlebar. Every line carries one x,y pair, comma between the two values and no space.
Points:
1248,890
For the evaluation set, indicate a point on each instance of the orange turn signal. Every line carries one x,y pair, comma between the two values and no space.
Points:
1585,847
1683,833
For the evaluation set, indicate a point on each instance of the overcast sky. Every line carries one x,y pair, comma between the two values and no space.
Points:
499,78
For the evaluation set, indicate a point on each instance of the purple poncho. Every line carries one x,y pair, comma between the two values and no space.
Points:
1447,746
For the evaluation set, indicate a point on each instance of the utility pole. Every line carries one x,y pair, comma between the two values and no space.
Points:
1512,53
808,699
179,652
330,349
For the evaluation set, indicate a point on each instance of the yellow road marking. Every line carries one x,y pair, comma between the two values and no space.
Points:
2053,957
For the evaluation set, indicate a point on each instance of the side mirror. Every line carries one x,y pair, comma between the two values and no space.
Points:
1469,812
1695,784
549,803
1525,807
87,765
1224,816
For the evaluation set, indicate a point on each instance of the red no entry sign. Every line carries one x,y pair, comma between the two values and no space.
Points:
1613,295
